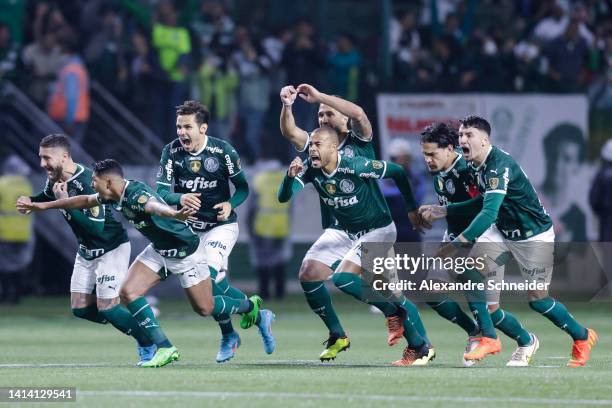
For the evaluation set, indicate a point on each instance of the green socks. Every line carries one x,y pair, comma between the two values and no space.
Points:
90,313
123,321
413,316
223,288
353,285
320,302
557,313
511,327
141,310
225,306
478,304
451,311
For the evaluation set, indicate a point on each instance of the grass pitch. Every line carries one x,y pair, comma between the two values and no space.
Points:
43,346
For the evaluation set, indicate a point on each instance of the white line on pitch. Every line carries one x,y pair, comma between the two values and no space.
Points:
361,397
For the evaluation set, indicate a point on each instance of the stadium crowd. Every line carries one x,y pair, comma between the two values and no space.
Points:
169,51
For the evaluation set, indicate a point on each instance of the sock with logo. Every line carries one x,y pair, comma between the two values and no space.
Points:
320,302
141,310
123,321
557,313
511,327
223,288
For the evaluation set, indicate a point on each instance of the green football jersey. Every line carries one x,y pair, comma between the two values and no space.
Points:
351,147
521,214
207,172
85,223
349,194
456,185
170,237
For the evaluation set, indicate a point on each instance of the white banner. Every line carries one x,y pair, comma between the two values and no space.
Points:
546,134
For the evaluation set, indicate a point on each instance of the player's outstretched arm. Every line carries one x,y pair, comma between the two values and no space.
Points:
291,183
296,136
360,124
25,204
400,177
242,190
155,207
485,218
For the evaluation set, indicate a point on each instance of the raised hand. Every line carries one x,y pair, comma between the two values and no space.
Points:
309,93
295,167
288,95
60,190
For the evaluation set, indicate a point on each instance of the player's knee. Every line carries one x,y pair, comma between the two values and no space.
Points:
310,272
106,304
128,294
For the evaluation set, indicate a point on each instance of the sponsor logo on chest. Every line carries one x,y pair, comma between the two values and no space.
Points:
199,183
338,202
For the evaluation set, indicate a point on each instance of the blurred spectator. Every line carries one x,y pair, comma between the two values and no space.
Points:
600,196
600,91
42,60
212,26
68,102
48,17
302,61
147,83
216,82
344,63
12,13
253,66
269,227
9,53
104,53
567,57
173,46
16,237
556,24
564,153
402,155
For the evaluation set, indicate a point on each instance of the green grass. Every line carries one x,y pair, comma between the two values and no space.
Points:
100,362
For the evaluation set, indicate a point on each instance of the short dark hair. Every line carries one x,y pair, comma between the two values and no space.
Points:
440,133
477,122
107,166
56,140
194,108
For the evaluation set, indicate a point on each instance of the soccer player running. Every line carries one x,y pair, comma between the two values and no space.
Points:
343,184
325,254
512,221
174,249
195,171
453,183
103,255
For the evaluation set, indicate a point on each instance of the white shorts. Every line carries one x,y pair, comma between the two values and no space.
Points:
331,247
217,245
535,256
386,234
190,270
106,273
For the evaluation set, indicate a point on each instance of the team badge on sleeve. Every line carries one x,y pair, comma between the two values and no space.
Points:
95,211
377,164
211,164
142,199
450,186
494,182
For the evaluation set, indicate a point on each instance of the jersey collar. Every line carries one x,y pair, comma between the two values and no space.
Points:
485,159
77,173
203,147
445,172
127,182
335,170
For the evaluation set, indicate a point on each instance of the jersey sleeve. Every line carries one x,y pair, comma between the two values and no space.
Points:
305,147
139,198
165,173
304,177
368,168
97,213
45,195
497,180
232,161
